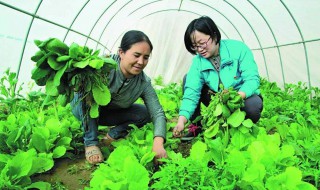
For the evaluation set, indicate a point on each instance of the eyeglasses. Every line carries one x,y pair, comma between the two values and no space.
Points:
202,45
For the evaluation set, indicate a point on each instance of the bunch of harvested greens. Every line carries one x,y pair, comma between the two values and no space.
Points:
64,70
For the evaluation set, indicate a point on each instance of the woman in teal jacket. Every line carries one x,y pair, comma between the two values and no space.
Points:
216,61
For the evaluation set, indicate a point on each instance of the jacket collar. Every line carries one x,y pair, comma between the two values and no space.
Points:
224,56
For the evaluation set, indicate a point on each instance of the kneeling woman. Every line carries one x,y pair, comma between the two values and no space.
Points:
126,84
229,62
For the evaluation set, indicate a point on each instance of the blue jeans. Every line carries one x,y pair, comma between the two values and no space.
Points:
137,114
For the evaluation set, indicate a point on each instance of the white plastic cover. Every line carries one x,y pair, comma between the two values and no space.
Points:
283,35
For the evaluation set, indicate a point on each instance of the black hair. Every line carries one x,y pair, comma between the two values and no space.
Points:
134,36
205,25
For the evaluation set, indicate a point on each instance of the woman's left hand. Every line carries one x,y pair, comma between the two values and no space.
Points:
242,94
158,149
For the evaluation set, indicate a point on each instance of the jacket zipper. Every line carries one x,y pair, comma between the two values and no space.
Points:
125,80
221,67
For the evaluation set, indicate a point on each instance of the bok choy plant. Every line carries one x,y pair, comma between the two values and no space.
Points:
64,70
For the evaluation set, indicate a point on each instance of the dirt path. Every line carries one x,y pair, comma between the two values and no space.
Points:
69,174
75,174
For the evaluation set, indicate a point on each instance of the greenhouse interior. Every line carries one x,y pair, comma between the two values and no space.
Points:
160,94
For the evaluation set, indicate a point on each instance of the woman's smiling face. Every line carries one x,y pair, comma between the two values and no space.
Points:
204,45
135,59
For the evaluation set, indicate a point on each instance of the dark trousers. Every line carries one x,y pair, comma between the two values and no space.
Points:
137,114
253,105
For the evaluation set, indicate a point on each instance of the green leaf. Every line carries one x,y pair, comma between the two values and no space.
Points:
218,110
42,163
53,127
255,172
59,151
63,58
287,180
236,118
147,157
135,180
139,137
57,46
21,164
96,63
39,185
225,111
236,163
117,157
243,129
247,123
81,64
54,64
110,62
301,120
37,42
38,55
94,110
63,100
212,130
58,75
101,94
10,141
286,156
313,120
37,74
51,88
198,151
96,53
74,50
240,140
39,142
42,44
218,150
253,177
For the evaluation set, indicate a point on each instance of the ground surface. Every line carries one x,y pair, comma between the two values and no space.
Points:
71,174
75,174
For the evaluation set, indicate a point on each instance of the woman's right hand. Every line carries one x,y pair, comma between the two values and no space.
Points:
177,130
179,127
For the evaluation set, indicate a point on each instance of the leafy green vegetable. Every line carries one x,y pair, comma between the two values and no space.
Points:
65,70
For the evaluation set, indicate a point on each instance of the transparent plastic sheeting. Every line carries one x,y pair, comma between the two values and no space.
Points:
283,35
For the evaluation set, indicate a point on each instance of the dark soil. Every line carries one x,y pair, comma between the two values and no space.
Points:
75,174
69,174
184,148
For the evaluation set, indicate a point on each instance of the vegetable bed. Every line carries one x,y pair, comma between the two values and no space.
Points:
281,151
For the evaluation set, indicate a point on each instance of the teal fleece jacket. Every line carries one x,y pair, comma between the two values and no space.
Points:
237,69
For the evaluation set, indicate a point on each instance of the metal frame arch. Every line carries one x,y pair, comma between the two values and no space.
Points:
263,54
303,42
144,6
27,34
97,22
110,21
26,39
274,37
205,4
74,19
294,17
49,21
34,15
179,9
